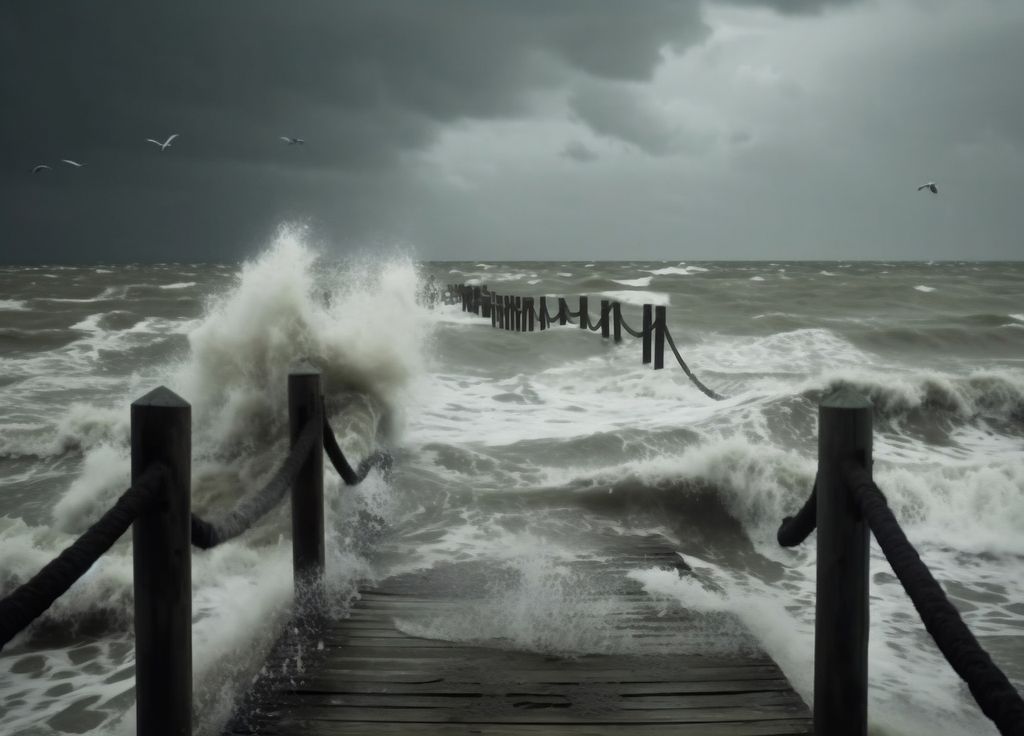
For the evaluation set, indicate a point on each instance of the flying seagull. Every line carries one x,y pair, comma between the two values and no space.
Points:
291,141
165,144
930,186
39,168
69,162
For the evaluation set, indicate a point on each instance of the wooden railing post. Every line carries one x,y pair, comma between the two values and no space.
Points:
841,616
659,338
304,405
162,566
606,328
529,313
563,311
647,334
617,322
543,311
584,312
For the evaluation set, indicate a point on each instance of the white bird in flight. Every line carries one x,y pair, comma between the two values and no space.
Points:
165,144
40,168
291,141
69,162
930,186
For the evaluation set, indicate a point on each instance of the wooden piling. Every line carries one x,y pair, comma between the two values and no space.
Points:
519,314
841,616
508,312
543,313
492,309
529,313
476,300
647,334
659,338
606,328
584,313
304,405
161,425
563,311
617,321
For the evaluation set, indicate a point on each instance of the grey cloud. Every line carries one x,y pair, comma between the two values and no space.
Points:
579,151
363,81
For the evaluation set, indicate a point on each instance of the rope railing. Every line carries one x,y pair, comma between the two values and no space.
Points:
31,599
518,314
686,369
254,506
352,477
994,693
845,505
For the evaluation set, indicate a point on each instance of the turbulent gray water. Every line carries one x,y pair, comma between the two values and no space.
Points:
518,452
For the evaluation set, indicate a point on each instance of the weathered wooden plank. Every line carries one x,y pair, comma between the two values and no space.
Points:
792,727
543,715
625,689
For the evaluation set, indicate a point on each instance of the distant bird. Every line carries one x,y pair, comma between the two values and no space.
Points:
930,186
291,141
40,168
165,144
69,162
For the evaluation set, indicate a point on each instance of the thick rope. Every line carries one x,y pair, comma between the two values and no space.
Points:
27,602
795,529
682,364
993,692
631,331
377,459
251,508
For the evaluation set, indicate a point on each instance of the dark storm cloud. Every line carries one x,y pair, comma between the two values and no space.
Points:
362,82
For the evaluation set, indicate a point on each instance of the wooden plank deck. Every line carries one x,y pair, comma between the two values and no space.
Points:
367,675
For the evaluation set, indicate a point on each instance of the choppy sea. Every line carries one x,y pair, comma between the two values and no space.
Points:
523,452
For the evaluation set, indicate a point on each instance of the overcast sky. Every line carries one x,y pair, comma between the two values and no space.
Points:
485,129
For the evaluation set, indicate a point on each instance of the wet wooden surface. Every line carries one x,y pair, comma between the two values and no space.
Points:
377,672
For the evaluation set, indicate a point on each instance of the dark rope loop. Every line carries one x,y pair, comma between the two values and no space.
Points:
795,529
254,506
377,459
31,599
631,331
682,364
990,687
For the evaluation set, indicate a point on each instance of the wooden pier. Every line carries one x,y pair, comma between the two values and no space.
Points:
374,677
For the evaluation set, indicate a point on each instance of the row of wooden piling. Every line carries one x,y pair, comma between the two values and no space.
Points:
527,313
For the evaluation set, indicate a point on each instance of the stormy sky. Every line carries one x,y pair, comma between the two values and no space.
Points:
514,129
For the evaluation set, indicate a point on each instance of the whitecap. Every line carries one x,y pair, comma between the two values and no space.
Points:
926,289
12,305
643,281
757,278
677,271
657,298
179,285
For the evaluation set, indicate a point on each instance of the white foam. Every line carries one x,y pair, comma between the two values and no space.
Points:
922,287
657,298
757,278
643,281
179,285
677,271
12,305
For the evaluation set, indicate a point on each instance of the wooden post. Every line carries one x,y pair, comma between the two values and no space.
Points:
162,565
492,308
563,311
529,313
584,313
519,314
543,313
606,316
617,315
476,300
841,616
647,334
304,405
659,338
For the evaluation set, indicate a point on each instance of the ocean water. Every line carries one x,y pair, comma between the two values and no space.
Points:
518,454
